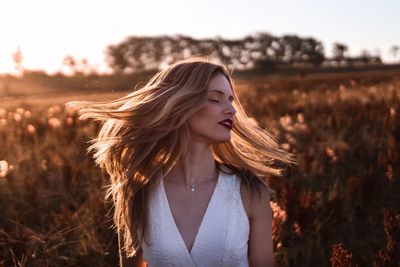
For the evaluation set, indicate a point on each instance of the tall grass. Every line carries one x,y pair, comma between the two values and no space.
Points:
339,207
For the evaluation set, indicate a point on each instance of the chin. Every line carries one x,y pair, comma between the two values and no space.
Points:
215,139
222,140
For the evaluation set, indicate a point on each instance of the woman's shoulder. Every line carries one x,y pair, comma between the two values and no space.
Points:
255,199
254,191
246,177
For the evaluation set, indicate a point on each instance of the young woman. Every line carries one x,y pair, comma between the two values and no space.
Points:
188,170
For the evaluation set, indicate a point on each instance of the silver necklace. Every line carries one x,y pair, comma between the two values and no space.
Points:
193,186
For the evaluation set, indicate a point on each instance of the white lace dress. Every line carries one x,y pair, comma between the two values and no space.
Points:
222,239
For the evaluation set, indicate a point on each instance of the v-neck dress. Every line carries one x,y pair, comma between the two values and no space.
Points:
222,238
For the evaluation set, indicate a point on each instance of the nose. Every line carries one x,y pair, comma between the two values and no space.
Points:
230,109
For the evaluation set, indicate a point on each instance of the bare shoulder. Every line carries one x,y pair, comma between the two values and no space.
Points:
261,208
255,207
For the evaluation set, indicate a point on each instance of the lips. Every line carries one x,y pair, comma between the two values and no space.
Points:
228,123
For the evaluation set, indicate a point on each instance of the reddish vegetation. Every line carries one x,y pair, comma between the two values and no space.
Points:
338,207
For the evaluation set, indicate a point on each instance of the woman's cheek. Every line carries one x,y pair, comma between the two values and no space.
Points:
210,110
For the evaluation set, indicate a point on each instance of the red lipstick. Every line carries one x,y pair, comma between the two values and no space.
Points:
228,123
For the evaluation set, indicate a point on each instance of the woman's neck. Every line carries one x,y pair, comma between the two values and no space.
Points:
198,166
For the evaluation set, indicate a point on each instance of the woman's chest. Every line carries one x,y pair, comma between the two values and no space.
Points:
189,207
204,232
188,210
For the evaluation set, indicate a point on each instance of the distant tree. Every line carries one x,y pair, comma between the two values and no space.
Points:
116,57
377,52
394,49
78,67
339,51
262,50
365,56
18,59
84,67
70,63
312,51
293,48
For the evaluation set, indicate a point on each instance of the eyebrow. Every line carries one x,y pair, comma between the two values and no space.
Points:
221,93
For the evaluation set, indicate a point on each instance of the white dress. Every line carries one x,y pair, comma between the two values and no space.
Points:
222,238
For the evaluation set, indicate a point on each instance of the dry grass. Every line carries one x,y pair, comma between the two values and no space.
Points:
339,207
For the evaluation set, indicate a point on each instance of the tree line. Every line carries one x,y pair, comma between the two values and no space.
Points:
259,51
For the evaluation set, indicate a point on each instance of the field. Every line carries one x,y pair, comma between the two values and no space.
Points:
338,207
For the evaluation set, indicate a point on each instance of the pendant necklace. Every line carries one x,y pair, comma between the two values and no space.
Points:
193,186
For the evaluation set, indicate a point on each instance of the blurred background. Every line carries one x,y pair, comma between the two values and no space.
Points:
321,76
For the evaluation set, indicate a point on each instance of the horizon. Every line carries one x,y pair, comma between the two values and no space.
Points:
47,32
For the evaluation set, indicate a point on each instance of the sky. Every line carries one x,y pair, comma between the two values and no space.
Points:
47,30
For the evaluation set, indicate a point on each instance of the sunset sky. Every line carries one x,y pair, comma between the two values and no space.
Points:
46,31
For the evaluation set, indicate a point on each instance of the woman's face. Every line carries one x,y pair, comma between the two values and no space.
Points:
213,122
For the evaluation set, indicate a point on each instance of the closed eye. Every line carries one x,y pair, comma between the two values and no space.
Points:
214,100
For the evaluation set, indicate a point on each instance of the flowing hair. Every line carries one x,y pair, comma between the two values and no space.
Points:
145,133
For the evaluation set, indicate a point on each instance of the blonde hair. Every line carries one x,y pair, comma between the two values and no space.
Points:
146,132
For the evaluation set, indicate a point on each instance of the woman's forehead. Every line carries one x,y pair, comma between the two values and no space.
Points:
220,82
